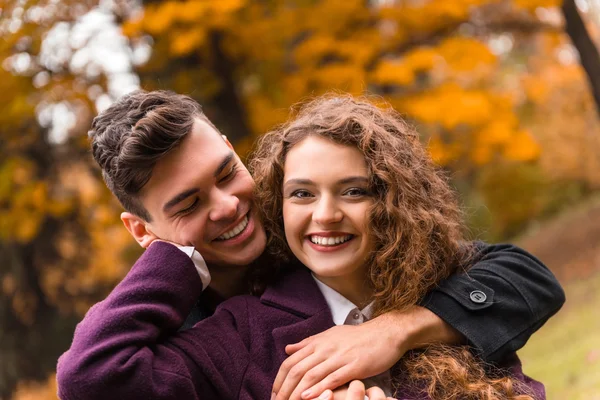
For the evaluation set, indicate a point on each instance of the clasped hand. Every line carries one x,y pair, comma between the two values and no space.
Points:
333,358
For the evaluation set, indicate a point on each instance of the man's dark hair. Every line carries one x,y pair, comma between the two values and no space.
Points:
134,133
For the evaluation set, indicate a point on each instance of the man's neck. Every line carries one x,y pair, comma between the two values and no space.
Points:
227,282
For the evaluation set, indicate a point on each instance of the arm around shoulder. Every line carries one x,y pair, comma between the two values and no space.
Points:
127,346
505,297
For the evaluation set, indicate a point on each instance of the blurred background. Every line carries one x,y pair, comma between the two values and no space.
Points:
505,93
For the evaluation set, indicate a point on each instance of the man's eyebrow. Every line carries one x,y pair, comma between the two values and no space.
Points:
179,198
226,160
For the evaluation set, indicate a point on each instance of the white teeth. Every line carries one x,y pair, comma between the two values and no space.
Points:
235,231
329,241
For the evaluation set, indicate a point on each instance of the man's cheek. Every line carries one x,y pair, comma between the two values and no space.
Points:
192,232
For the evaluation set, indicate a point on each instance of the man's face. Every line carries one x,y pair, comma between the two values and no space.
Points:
200,194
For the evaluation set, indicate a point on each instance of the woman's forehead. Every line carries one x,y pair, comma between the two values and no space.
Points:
317,155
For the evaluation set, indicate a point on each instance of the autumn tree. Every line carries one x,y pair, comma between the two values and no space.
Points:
493,86
59,245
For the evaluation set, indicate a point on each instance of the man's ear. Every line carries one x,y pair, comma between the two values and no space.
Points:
138,229
227,142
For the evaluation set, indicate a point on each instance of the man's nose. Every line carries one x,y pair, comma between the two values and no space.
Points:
223,206
327,211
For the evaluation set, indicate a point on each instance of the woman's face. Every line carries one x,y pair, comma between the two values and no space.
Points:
325,208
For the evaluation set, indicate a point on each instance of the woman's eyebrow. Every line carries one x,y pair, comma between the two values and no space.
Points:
353,179
343,181
298,181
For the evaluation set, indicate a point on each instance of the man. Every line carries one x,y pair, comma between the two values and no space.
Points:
180,181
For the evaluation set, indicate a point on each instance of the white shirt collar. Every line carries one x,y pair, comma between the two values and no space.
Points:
199,264
340,306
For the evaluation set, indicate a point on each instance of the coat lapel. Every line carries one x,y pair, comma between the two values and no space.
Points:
298,294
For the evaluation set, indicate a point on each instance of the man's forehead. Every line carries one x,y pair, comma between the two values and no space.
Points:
191,164
203,145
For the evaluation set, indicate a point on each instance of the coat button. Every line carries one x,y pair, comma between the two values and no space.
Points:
477,296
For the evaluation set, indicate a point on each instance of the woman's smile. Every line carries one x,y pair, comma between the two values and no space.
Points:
329,241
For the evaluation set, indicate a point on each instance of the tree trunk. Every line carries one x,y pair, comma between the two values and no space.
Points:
234,118
588,53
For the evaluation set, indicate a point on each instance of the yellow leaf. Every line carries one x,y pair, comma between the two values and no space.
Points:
499,131
522,147
184,42
132,27
451,106
536,88
392,73
482,154
159,18
27,227
465,54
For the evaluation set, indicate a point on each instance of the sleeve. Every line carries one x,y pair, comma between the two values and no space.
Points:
128,347
505,297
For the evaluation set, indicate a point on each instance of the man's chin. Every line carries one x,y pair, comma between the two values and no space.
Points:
227,261
237,257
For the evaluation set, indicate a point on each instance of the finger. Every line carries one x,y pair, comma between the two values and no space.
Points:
287,365
295,374
294,347
326,395
375,393
314,376
336,378
356,391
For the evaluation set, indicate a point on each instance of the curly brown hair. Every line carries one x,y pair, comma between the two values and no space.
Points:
415,223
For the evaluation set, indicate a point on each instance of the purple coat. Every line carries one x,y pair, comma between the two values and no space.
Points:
128,346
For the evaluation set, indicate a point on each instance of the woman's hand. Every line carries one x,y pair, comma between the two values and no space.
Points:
333,358
355,391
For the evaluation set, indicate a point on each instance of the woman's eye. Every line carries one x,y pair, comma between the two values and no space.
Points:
189,209
356,192
301,194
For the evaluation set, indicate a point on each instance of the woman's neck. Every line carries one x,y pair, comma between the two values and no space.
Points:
355,287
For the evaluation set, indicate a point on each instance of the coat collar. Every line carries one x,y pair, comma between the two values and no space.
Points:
296,292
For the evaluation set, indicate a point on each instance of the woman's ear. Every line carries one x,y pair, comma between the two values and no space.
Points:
138,228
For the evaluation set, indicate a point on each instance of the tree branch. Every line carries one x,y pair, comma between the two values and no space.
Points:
588,53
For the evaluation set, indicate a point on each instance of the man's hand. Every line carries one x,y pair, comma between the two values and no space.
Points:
355,391
343,353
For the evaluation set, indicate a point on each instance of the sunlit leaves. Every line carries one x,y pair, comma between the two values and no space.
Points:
283,52
502,105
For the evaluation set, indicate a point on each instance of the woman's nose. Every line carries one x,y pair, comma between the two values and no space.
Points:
327,211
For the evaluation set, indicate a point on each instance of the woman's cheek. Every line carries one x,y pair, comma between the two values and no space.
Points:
290,224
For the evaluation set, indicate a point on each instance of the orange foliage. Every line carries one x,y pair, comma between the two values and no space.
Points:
505,120
284,52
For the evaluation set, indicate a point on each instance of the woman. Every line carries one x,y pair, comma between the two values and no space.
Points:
128,345
366,210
